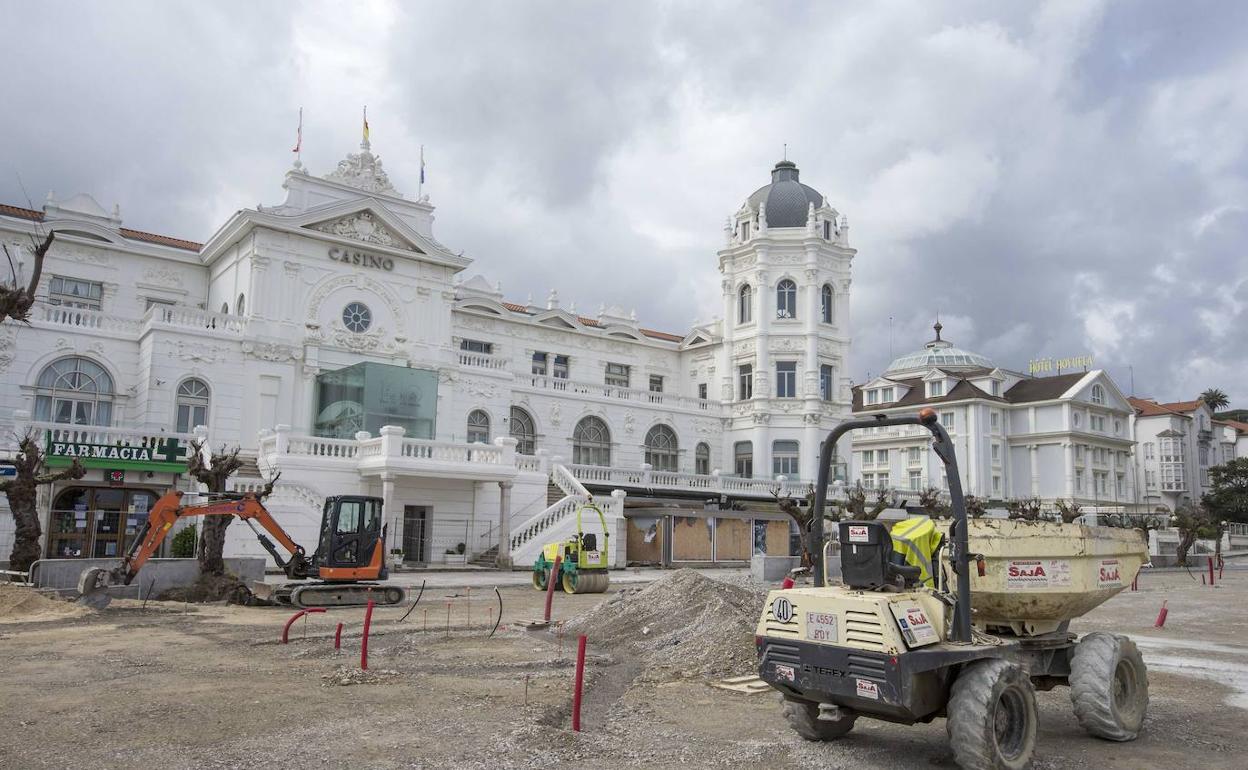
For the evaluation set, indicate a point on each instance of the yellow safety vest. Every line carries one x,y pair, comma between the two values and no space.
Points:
917,540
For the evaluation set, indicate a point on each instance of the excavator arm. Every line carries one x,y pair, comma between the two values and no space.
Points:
168,509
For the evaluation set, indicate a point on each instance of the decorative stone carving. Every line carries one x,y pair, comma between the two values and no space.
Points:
198,352
762,418
363,170
812,418
63,343
361,226
162,276
630,423
82,255
8,346
358,280
479,388
271,351
556,416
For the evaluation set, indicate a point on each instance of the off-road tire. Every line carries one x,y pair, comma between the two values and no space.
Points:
540,578
803,717
1109,686
992,720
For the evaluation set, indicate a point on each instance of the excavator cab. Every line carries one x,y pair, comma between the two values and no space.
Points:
352,542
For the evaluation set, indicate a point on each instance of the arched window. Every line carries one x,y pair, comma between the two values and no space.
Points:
591,442
745,304
478,427
786,299
661,448
225,308
826,306
743,459
192,405
1098,394
241,305
522,431
74,390
702,460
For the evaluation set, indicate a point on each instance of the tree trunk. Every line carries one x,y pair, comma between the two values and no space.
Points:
27,529
212,544
1187,538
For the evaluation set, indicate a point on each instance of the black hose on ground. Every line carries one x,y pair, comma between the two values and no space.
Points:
409,609
498,619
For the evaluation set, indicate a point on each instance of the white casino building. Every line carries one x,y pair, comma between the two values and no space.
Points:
331,338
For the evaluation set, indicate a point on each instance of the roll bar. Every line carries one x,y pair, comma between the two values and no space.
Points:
958,548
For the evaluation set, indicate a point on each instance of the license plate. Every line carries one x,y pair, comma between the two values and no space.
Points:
786,673
821,627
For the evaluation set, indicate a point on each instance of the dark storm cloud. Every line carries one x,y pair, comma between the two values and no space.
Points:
1055,180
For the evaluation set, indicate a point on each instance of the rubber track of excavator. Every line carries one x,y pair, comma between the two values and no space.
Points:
345,595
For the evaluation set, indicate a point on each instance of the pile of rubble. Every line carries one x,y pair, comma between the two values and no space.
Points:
682,625
345,677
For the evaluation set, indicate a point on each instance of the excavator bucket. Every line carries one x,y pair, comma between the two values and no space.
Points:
93,586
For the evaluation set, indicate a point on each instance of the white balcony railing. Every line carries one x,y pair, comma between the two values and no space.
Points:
392,451
193,318
542,382
81,319
179,317
482,360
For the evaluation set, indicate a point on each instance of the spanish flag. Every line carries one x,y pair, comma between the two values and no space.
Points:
366,124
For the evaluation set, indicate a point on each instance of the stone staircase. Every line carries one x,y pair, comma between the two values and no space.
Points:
565,495
487,558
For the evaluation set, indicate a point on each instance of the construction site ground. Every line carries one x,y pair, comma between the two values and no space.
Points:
184,686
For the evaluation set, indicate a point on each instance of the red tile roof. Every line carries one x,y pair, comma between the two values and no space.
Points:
1242,427
662,335
1184,406
1148,408
134,235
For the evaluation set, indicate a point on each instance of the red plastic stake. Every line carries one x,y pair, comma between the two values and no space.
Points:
1210,570
338,637
550,586
368,621
1161,616
296,616
580,682
787,583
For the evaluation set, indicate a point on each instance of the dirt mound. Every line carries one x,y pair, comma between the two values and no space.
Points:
682,625
21,604
208,588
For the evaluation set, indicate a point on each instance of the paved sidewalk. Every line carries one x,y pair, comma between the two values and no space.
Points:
490,578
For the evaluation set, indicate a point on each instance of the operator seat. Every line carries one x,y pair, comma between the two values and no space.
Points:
867,556
589,542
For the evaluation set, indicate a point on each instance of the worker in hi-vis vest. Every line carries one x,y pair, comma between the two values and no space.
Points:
916,540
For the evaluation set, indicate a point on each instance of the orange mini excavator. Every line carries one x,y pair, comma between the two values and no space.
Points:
350,554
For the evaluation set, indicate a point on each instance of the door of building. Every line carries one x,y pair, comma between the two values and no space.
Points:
416,534
96,522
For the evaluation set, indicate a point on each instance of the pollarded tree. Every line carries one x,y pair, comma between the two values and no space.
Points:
15,300
1215,399
22,491
214,473
1193,523
1227,500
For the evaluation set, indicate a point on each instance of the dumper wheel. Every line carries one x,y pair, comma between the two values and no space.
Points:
803,717
992,721
1109,686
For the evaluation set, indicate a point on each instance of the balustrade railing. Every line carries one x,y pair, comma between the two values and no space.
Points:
441,451
616,392
186,317
81,318
482,360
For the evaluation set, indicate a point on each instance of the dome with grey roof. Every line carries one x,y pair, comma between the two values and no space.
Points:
788,200
937,354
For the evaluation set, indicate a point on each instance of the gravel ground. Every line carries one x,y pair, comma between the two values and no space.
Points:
207,686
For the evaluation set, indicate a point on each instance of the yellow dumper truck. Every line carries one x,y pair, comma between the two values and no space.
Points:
963,619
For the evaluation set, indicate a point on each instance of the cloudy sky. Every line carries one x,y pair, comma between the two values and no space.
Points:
1056,179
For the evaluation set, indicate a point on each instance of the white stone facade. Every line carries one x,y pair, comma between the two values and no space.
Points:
232,335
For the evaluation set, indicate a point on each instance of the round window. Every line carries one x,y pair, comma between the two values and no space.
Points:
357,317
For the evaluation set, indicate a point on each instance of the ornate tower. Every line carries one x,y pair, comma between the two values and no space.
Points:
785,275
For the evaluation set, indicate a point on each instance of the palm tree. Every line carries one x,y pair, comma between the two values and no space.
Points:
1215,399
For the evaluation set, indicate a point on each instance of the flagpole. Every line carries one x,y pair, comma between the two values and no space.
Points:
299,142
420,186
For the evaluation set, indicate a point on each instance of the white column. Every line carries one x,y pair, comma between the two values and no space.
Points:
1033,451
503,560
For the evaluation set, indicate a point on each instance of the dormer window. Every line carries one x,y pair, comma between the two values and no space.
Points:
873,396
1098,394
935,388
886,395
745,231
995,388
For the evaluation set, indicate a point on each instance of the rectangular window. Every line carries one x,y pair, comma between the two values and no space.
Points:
476,346
1148,451
1101,480
784,459
745,231
881,456
886,395
996,485
868,458
873,396
935,388
994,421
702,391
153,302
539,363
868,480
882,481
996,454
73,292
786,379
946,419
1150,479
745,382
743,459
617,375
827,230
1078,453
996,388
1079,480
916,480
656,383
825,382
561,367
1120,484
914,455
1098,423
